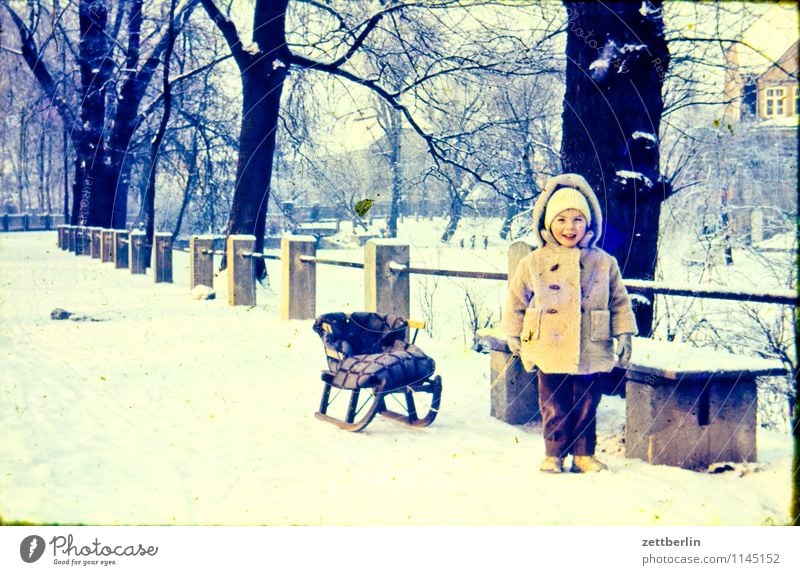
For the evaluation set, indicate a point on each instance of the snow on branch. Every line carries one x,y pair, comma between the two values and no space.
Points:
625,175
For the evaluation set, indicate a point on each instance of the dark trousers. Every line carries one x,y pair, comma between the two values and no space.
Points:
569,409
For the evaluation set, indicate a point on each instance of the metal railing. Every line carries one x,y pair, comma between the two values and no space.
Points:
783,297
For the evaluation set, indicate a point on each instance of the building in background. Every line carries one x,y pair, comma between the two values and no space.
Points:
777,95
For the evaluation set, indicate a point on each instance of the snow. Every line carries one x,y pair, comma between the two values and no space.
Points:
644,135
319,225
780,122
647,9
786,241
627,174
672,357
253,49
170,410
627,48
600,65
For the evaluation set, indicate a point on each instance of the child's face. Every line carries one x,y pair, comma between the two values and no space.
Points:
569,227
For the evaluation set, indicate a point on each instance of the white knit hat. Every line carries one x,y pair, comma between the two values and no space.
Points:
566,199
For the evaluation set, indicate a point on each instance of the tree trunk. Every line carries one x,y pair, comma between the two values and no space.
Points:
516,204
149,206
49,171
65,167
125,123
727,247
262,84
126,118
94,203
191,183
40,168
395,150
21,167
513,207
453,218
616,60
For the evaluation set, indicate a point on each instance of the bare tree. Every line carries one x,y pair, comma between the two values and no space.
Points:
344,33
102,112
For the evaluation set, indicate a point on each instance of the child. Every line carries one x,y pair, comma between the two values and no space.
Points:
566,303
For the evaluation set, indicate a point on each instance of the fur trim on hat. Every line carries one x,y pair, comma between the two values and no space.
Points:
594,229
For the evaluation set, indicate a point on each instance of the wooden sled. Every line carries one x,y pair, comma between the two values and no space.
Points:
374,370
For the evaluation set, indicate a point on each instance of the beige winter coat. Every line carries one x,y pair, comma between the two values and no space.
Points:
565,305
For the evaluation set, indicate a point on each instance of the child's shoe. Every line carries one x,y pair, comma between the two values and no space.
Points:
552,464
587,464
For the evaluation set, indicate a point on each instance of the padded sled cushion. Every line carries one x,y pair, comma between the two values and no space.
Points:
400,366
366,348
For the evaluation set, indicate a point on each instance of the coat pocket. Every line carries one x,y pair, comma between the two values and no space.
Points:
530,324
600,329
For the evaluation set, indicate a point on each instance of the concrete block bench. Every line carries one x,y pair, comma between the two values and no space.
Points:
691,407
514,392
685,407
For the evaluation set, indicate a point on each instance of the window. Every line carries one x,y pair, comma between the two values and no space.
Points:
774,102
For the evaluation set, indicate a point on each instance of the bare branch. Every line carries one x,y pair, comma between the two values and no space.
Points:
32,57
229,32
180,78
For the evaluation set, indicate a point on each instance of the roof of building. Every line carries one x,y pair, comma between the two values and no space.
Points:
784,69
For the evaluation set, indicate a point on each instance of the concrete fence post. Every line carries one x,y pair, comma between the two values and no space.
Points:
386,291
514,394
72,237
87,242
121,249
298,278
162,254
4,218
95,245
138,253
61,230
106,245
78,240
241,278
201,264
25,222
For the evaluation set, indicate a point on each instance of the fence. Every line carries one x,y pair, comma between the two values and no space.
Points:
387,269
30,222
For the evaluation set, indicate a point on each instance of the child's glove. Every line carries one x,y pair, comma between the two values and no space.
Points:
625,346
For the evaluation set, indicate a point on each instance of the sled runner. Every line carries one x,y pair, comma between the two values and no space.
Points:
373,369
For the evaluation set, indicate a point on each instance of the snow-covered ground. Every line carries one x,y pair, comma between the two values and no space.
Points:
175,411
